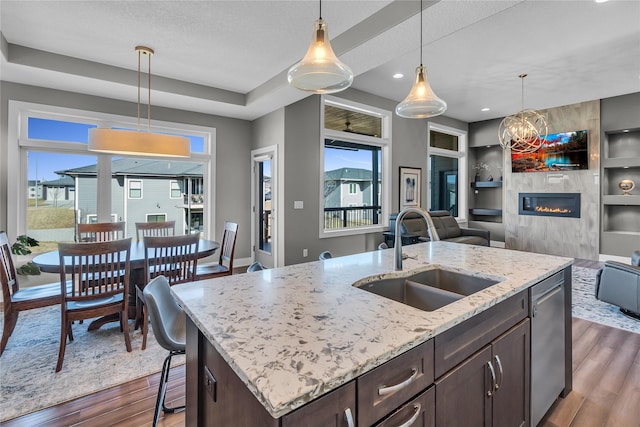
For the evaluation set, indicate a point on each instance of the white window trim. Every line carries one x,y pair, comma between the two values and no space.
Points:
129,181
384,142
146,216
171,189
20,111
462,157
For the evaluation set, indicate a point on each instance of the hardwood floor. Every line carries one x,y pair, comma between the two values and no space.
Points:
606,392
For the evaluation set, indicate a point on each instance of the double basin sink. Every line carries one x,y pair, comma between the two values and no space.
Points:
428,290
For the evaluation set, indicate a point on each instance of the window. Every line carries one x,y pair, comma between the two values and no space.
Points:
175,190
135,189
355,163
59,183
156,217
447,169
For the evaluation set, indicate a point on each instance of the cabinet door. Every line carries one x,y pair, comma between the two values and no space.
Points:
511,362
463,396
335,409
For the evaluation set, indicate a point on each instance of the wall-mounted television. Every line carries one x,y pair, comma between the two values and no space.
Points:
566,151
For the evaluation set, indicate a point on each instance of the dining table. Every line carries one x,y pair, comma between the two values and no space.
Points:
49,262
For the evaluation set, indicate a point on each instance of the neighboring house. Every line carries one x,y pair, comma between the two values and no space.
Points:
347,187
35,188
59,191
145,190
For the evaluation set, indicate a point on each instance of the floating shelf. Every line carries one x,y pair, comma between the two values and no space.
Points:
486,184
630,200
485,212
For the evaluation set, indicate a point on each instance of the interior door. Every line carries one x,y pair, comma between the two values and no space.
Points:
264,207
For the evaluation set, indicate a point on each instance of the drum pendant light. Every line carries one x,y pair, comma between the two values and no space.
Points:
421,102
139,142
523,131
320,71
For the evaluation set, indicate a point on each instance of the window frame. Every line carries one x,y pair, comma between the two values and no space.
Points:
129,182
17,188
171,189
146,216
384,142
460,154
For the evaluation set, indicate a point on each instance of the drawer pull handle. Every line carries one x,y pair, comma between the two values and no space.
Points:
383,389
499,363
493,378
349,417
416,409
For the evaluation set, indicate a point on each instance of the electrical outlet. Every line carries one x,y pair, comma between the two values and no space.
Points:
305,253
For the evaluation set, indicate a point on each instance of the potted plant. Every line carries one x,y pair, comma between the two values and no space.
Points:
21,247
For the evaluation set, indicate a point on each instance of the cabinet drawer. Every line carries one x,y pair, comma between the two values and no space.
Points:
385,388
420,412
458,343
335,409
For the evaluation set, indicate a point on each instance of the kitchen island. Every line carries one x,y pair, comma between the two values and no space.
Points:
277,339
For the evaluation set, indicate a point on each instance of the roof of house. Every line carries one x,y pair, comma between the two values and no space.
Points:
348,174
142,167
63,181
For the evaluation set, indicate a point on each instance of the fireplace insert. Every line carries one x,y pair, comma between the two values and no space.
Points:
565,205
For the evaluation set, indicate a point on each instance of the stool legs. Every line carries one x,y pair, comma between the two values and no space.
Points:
162,389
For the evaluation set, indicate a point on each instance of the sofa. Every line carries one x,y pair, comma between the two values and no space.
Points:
619,284
414,230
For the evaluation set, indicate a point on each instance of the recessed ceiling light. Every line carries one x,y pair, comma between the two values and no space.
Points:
488,146
626,130
486,109
398,75
601,1
625,167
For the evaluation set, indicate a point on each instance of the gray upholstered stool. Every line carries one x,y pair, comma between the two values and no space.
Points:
169,327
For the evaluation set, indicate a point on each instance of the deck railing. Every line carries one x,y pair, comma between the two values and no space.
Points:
352,216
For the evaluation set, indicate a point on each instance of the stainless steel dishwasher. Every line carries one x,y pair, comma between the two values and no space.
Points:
547,344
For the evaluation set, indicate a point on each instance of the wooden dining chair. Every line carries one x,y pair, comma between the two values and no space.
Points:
99,272
14,299
157,229
176,258
101,232
224,267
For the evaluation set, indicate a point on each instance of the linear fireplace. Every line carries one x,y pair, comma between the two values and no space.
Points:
565,205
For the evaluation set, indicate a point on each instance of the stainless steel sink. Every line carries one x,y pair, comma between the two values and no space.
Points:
428,290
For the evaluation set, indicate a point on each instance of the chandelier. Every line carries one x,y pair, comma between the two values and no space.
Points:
524,131
139,142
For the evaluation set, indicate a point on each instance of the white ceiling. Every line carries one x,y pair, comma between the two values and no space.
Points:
230,57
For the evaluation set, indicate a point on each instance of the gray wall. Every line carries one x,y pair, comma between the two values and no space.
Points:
302,171
232,168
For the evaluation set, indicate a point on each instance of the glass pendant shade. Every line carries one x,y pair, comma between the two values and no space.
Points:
320,71
134,142
421,102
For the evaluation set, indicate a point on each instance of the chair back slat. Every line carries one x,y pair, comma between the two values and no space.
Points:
228,245
101,232
175,257
97,269
7,270
157,229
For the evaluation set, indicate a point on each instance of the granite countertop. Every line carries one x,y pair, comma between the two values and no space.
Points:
294,333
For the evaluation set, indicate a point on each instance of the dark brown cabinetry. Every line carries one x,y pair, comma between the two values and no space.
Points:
491,388
337,408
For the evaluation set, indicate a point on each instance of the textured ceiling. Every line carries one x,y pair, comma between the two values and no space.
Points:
230,57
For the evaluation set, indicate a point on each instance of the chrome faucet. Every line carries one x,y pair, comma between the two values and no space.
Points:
397,246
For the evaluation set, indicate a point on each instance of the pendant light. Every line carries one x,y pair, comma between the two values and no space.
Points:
320,71
421,102
524,131
139,142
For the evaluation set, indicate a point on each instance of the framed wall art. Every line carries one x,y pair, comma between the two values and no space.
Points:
410,183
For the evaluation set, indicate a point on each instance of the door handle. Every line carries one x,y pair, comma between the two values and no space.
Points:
383,389
416,413
493,378
349,418
501,372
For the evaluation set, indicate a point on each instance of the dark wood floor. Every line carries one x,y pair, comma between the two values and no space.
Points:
606,379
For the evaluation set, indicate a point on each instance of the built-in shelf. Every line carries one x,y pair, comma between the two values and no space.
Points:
485,212
486,184
620,162
621,200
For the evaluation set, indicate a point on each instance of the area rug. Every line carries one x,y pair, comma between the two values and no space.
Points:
94,361
586,306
